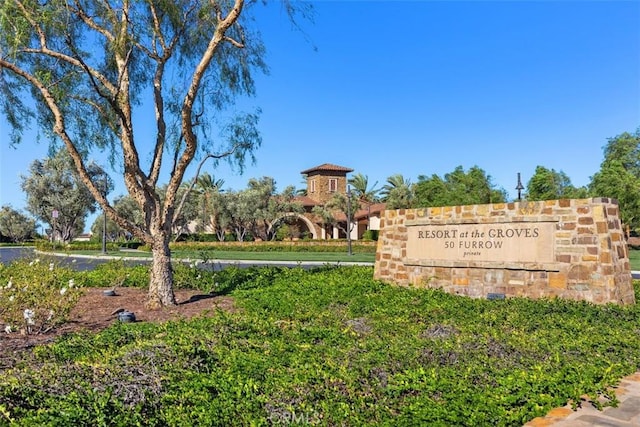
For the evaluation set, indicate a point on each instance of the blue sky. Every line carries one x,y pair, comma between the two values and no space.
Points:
418,88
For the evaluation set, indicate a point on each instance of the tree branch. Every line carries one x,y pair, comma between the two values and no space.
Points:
227,153
60,130
187,107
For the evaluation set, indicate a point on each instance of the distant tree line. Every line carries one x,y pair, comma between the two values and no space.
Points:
57,198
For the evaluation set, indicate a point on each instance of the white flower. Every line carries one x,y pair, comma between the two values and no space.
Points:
28,313
11,298
31,263
51,314
37,260
51,265
72,283
7,329
63,291
9,285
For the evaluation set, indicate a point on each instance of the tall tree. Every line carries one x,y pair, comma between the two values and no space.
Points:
220,216
619,176
361,189
189,212
95,66
239,213
125,206
15,225
302,191
549,184
207,186
365,194
431,191
270,208
458,188
338,212
397,193
58,197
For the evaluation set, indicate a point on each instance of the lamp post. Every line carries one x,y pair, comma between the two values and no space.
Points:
54,215
519,187
349,252
104,219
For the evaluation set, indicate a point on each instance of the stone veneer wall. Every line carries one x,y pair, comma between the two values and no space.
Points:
587,255
323,193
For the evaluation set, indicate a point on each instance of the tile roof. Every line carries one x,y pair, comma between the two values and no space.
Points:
306,201
327,167
376,208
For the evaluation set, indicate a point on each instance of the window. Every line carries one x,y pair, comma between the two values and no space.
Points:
333,185
312,186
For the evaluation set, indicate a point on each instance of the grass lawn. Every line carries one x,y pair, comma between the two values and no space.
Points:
249,256
278,256
634,256
634,260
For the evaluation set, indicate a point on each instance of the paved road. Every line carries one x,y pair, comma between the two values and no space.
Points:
10,254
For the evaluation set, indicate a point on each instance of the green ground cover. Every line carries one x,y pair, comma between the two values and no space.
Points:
330,346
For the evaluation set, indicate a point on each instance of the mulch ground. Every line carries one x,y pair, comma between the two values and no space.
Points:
96,311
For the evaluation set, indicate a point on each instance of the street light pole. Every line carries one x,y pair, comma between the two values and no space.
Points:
349,252
104,220
519,187
54,215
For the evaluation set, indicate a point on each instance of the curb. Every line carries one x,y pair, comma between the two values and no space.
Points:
625,414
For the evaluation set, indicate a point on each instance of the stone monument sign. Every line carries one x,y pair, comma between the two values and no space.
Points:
571,249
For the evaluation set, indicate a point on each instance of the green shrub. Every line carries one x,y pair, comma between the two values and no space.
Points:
370,235
275,246
48,246
131,244
116,273
92,246
35,297
187,275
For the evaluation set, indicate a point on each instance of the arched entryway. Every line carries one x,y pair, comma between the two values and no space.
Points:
300,226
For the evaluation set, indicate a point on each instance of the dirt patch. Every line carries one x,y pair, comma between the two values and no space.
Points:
96,311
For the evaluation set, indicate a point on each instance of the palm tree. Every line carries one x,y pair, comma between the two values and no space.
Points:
302,191
366,195
206,182
397,192
360,185
207,185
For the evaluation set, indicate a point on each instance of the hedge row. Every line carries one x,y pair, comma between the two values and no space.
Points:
290,246
296,246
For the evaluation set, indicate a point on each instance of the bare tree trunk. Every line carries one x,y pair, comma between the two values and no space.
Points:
161,282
